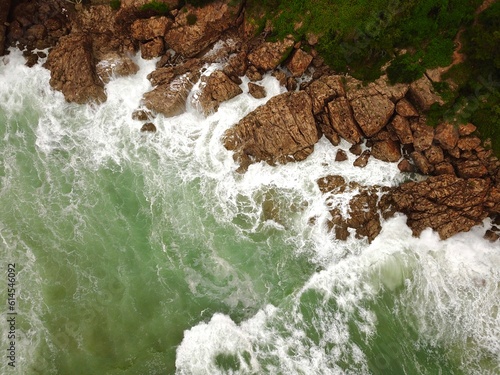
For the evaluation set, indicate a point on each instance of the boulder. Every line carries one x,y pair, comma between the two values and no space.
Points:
215,89
237,65
406,109
466,129
257,91
446,135
169,99
468,143
405,166
148,29
342,121
471,169
72,68
152,48
341,155
269,55
210,21
401,127
421,162
324,90
423,136
299,62
423,95
164,75
362,160
323,121
387,150
372,113
356,149
279,131
444,168
434,154
115,65
148,127
445,203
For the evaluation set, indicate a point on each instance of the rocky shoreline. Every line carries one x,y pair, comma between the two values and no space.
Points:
88,44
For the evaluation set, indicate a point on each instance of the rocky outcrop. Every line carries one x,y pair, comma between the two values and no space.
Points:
269,55
216,89
299,62
115,65
257,91
197,28
279,131
4,12
372,113
423,95
446,203
342,121
324,90
73,69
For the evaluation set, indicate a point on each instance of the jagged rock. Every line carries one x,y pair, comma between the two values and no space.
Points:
356,149
332,184
170,98
164,75
153,48
445,203
362,160
405,166
471,169
357,89
372,113
434,154
466,129
323,121
423,136
151,28
406,109
217,88
342,120
401,127
141,115
491,236
253,74
299,62
115,65
421,162
423,95
468,143
257,91
387,150
291,84
211,21
394,92
72,68
237,65
148,127
341,155
269,55
4,12
279,131
446,135
324,90
444,168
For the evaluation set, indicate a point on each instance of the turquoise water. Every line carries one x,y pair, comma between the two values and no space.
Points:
148,254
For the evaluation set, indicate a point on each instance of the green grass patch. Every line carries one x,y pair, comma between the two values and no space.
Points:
156,7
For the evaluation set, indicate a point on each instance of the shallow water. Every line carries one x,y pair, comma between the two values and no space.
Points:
148,254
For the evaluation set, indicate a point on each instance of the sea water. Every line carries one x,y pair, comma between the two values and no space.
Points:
148,253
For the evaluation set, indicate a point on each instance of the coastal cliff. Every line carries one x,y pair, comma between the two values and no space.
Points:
90,43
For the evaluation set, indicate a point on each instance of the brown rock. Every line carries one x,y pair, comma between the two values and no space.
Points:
468,143
257,91
115,65
372,113
332,184
162,76
237,65
491,236
362,160
401,127
36,32
405,166
324,90
471,169
423,136
406,109
148,127
466,129
323,121
444,168
342,120
421,162
356,89
299,63
423,95
153,48
356,149
387,150
269,55
279,131
4,12
211,21
72,68
446,135
170,98
434,154
444,203
217,88
151,28
254,75
341,155
141,115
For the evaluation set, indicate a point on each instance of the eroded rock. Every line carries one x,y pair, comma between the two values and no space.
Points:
216,88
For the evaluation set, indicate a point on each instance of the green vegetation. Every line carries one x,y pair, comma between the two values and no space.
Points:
156,7
115,4
359,37
191,18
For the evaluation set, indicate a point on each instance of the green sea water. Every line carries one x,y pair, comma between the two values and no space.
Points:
148,254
